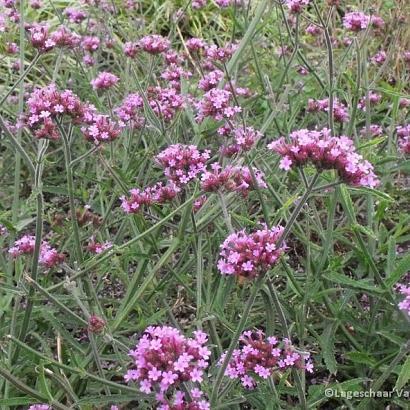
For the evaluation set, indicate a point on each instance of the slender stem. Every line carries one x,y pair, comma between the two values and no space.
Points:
20,79
259,282
15,142
234,340
70,187
225,212
329,47
39,232
28,390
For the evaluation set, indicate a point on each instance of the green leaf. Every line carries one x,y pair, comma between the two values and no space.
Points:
347,203
401,268
352,283
364,190
404,375
361,357
327,344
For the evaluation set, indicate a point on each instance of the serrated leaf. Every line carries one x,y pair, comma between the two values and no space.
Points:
347,203
404,375
401,268
352,283
327,344
361,357
382,195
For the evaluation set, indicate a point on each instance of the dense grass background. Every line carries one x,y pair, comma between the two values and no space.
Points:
346,252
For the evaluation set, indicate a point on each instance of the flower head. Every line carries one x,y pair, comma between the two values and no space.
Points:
325,152
250,255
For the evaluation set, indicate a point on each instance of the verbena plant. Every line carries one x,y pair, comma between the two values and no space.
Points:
204,204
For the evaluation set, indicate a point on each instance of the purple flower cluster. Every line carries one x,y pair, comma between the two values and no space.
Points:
157,194
40,38
403,134
100,128
261,356
104,81
164,358
340,111
325,152
165,102
216,103
39,407
154,44
231,179
244,138
296,6
63,37
49,256
182,163
404,305
47,103
250,255
129,110
374,99
357,21
75,16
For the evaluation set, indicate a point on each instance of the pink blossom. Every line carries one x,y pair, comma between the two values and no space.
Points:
154,44
182,163
250,255
39,407
258,357
131,49
104,81
231,179
326,152
356,21
75,16
162,347
296,6
403,135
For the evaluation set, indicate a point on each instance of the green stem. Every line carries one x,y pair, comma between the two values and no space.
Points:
39,232
20,79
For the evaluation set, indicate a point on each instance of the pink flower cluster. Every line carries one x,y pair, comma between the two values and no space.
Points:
404,305
179,402
104,81
357,21
63,37
211,80
47,103
157,194
222,54
198,4
165,102
95,247
340,112
75,16
49,256
261,356
100,128
164,358
231,179
216,103
182,163
154,44
379,58
40,38
374,99
131,49
128,111
250,255
91,43
244,139
296,6
325,152
39,407
403,134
